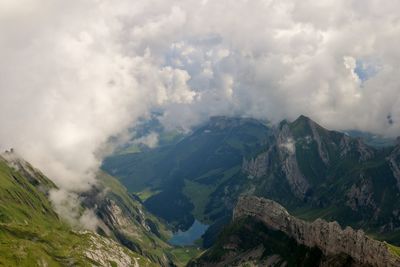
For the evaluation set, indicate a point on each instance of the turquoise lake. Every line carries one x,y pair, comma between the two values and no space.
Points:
188,237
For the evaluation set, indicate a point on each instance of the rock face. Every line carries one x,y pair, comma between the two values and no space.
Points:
103,251
257,167
361,195
394,161
322,151
287,154
329,237
124,219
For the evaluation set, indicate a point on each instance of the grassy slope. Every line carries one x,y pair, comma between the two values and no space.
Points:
199,195
182,255
31,234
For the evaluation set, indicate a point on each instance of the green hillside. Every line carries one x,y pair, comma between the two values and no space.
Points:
31,233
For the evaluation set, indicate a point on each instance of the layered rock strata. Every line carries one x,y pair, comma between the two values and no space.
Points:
327,236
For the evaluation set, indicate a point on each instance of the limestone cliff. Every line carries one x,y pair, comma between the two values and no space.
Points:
329,237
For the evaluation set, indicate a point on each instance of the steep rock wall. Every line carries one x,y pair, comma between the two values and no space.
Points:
328,236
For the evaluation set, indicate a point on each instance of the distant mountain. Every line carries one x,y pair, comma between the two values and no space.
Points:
372,139
327,174
310,170
140,134
263,233
181,177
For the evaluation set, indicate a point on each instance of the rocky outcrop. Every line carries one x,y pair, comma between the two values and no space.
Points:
287,154
107,252
322,151
366,152
394,162
256,167
361,195
282,150
329,237
348,145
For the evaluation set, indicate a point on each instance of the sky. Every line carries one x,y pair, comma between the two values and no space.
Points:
75,73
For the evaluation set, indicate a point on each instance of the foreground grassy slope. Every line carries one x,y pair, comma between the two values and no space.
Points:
25,245
31,233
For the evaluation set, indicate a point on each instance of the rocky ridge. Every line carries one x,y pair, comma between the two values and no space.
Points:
327,236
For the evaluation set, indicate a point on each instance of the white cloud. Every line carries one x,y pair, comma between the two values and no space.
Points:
150,140
72,74
289,145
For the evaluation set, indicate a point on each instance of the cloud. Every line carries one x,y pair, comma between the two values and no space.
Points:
68,83
150,140
73,74
289,145
67,205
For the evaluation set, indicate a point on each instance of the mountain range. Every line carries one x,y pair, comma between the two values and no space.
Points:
311,171
271,195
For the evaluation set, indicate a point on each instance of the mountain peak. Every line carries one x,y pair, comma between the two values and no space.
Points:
304,126
304,120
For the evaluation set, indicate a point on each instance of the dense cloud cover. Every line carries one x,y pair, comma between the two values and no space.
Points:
74,73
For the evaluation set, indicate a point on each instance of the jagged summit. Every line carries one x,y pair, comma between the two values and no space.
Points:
305,126
302,118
